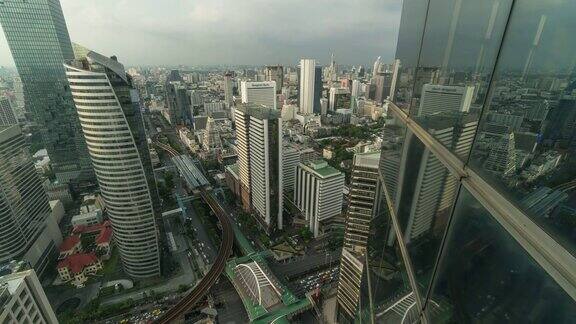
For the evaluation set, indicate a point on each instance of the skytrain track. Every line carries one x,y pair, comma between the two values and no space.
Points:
191,299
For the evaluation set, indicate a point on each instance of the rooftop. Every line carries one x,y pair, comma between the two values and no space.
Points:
105,236
258,111
69,243
322,169
77,262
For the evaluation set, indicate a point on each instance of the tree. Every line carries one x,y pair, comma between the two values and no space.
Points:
306,234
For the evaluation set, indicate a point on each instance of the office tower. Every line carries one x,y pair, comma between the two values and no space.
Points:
290,160
7,116
376,67
457,242
363,205
332,70
26,230
438,99
242,121
361,71
178,103
310,87
228,90
22,299
211,139
259,145
39,65
275,73
339,99
259,93
383,82
109,110
356,90
318,193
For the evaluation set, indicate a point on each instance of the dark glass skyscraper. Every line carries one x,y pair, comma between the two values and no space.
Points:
477,171
38,39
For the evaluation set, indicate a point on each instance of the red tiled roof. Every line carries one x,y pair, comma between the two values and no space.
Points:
77,262
104,236
69,243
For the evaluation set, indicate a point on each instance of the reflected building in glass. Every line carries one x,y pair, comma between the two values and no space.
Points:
477,171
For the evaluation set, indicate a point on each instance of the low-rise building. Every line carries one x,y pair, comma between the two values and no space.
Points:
87,219
71,245
57,191
77,267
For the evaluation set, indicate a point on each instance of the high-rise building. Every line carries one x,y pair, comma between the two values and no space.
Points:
7,116
47,98
259,93
339,99
318,193
23,300
376,67
259,146
332,70
110,113
27,231
383,82
290,160
363,205
356,89
228,90
455,239
275,73
310,87
178,103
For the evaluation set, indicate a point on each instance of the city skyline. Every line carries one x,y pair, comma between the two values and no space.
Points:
435,185
181,33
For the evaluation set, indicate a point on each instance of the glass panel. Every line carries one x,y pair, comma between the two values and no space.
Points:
485,276
459,49
391,153
386,290
424,199
408,49
372,274
526,145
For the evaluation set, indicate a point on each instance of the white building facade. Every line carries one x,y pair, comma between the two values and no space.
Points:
259,93
318,193
107,106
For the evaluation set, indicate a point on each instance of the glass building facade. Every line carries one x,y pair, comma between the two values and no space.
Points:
38,39
477,170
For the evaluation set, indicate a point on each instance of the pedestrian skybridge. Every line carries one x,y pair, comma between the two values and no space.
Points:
258,285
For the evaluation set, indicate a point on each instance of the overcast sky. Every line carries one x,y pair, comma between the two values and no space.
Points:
200,32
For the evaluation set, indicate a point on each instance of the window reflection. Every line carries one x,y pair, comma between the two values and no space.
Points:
427,192
527,140
485,276
408,49
459,49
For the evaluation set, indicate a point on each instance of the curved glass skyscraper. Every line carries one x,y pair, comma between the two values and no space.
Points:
109,112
